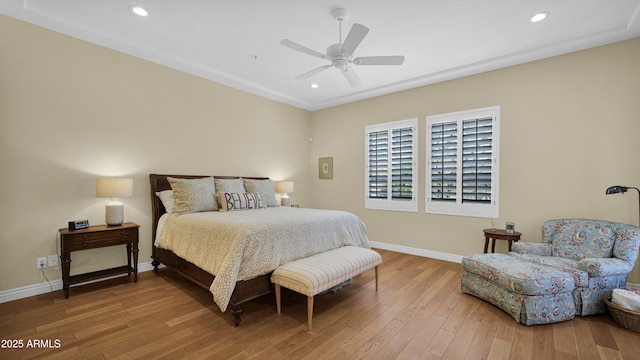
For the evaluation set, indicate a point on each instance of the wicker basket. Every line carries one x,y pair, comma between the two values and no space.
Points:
628,319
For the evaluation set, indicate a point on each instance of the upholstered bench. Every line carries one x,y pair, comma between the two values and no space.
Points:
315,274
531,293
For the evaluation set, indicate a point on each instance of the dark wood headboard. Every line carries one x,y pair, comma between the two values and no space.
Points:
160,183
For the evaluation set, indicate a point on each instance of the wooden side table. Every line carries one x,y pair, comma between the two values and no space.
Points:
500,234
95,237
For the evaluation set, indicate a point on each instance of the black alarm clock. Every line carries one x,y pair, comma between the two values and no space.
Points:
78,224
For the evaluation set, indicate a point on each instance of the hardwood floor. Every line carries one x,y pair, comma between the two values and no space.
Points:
418,313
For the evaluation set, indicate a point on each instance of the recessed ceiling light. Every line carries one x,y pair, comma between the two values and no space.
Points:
539,16
314,86
138,10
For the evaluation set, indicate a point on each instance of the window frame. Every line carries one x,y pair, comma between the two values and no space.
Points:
389,203
458,207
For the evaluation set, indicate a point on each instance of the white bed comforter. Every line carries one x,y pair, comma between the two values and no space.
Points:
240,245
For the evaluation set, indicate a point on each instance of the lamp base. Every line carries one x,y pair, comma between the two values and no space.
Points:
285,201
114,214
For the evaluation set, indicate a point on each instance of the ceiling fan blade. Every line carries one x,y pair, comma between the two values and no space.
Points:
313,72
351,77
295,46
379,60
354,38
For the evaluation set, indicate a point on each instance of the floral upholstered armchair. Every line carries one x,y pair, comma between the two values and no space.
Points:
598,254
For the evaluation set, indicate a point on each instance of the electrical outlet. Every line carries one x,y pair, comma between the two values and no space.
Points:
42,262
53,260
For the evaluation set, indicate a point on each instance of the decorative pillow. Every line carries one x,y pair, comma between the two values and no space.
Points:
230,185
582,240
239,201
264,188
167,199
194,195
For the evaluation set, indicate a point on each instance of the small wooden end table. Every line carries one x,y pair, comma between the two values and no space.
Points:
500,234
93,237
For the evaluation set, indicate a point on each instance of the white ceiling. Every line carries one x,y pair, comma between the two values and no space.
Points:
237,43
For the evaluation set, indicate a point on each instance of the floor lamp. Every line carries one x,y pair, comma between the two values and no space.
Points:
623,189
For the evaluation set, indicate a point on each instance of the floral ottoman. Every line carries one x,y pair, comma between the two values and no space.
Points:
531,293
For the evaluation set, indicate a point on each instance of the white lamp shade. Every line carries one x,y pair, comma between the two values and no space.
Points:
284,187
114,187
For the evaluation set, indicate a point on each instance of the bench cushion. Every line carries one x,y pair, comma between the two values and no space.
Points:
317,273
580,278
518,275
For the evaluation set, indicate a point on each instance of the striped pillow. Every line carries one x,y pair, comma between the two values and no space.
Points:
239,201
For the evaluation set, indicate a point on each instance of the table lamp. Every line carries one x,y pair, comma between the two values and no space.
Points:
284,187
618,189
114,188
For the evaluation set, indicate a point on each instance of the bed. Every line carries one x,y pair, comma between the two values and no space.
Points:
232,253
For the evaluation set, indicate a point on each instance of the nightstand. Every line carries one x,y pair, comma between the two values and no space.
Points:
493,234
94,237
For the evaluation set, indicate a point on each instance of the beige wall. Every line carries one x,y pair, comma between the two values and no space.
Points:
71,111
569,129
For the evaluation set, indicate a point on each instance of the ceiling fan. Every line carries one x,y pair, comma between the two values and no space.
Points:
341,54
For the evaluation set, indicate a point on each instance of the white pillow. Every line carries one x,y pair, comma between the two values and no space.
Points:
239,201
167,199
264,188
194,195
230,185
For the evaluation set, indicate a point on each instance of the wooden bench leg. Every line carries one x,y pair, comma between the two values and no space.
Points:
309,311
376,278
278,299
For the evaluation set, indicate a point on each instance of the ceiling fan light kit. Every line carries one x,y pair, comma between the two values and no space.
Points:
341,54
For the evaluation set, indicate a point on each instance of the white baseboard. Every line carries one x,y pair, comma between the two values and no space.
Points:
55,285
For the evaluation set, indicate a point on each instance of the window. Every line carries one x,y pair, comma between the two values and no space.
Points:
391,181
462,163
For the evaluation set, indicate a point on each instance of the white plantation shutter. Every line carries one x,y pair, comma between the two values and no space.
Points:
391,158
477,160
402,163
462,161
378,164
444,161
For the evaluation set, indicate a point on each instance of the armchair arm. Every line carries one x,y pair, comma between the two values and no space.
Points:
533,248
597,267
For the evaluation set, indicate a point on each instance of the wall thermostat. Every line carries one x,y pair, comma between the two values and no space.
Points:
78,224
